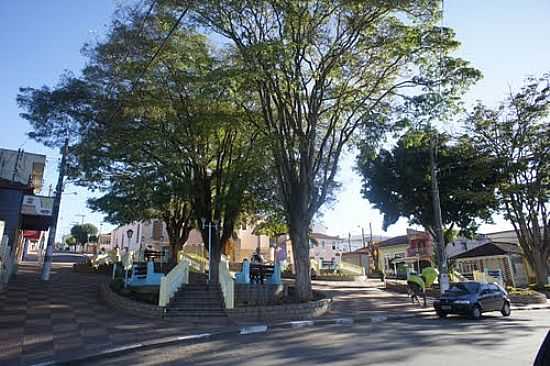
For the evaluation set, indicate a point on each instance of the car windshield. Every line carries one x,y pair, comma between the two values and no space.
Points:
464,288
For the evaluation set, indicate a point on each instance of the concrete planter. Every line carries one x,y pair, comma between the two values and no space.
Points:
259,295
286,312
129,306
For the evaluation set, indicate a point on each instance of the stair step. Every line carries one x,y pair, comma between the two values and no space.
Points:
192,309
198,300
186,314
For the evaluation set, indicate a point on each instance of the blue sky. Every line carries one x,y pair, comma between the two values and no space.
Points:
506,39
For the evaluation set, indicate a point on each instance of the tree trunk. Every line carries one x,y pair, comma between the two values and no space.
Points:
298,232
214,257
214,261
541,270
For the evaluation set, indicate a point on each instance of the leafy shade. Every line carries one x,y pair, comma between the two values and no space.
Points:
517,137
82,233
398,183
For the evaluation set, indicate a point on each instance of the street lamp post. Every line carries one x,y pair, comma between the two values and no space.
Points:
129,233
362,234
209,225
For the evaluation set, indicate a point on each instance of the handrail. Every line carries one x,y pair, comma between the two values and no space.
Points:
227,283
351,268
169,284
196,262
315,265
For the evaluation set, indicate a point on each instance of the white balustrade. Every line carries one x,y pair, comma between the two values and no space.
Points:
170,283
227,283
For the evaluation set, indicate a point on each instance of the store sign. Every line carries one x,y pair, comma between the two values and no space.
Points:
37,205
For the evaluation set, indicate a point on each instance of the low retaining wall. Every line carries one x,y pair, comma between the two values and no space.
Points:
284,312
270,313
534,298
128,305
345,278
258,295
87,268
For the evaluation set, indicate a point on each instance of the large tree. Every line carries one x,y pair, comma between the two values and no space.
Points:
398,182
82,233
319,71
171,133
517,136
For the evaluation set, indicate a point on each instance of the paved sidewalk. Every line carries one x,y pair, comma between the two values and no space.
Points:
370,300
63,318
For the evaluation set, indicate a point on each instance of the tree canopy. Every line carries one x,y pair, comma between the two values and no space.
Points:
321,73
398,182
82,233
517,136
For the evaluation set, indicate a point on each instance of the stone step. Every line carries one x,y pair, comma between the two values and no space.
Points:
196,305
194,309
201,286
198,301
196,313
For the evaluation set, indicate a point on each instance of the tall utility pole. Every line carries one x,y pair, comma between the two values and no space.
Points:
349,242
363,235
45,275
370,230
442,257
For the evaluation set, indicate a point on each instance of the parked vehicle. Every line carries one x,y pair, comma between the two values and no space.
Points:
473,298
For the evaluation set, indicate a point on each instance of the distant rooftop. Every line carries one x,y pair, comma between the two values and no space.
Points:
396,240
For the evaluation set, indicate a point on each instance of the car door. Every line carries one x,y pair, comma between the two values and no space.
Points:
485,298
497,299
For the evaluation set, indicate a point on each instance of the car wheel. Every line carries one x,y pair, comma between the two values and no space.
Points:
441,314
476,312
506,311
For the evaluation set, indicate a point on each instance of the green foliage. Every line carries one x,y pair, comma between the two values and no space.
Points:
70,240
398,183
82,233
516,136
322,74
56,113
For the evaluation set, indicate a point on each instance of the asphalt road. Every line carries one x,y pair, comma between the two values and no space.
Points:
419,341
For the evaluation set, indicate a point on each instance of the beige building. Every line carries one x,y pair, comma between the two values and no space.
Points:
152,233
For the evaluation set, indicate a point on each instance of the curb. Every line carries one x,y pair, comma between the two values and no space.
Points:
201,337
245,330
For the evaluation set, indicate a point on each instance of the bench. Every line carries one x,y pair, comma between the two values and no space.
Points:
259,273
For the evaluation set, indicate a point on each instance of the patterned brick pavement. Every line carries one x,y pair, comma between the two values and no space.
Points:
63,318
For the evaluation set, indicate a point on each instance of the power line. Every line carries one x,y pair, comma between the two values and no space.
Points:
136,80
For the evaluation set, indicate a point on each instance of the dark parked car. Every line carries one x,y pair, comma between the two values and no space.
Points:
473,299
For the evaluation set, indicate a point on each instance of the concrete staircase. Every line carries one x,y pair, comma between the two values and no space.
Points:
198,302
